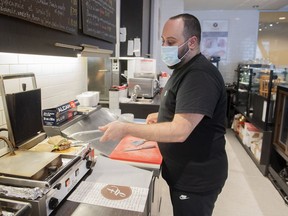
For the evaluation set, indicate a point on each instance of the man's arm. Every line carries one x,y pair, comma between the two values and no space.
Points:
176,131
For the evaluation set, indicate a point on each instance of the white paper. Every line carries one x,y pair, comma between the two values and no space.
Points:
137,46
130,47
123,34
90,193
110,171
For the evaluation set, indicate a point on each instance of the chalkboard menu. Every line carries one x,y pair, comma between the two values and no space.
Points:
99,19
56,14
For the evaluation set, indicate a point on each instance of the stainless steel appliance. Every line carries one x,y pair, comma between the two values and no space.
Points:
12,207
100,75
147,87
40,178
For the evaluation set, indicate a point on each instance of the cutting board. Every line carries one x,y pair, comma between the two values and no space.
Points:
152,156
27,164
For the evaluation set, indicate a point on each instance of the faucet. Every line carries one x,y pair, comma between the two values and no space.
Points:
10,146
135,92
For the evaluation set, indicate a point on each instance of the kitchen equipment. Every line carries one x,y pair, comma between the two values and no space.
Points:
148,87
43,179
100,76
12,207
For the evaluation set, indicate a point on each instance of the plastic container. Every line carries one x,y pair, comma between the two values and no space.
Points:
88,99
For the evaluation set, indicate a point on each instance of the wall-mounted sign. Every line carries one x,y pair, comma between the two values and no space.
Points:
214,38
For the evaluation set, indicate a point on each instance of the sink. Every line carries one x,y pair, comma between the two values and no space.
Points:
142,101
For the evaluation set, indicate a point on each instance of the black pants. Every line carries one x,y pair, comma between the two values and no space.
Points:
193,204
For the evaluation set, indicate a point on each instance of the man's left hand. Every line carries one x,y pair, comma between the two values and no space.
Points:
113,131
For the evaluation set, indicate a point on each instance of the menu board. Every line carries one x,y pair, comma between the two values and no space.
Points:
99,19
57,14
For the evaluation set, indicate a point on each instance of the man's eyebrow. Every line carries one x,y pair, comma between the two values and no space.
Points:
170,37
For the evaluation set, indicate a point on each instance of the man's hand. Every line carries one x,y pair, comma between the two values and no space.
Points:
113,131
152,118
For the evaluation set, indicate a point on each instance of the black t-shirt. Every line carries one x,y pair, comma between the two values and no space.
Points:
199,164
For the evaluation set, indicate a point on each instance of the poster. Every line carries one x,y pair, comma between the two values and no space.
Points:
214,38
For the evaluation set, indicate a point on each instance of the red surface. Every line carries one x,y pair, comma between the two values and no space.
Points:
152,156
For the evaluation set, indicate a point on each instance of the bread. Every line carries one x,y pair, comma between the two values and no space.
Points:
60,143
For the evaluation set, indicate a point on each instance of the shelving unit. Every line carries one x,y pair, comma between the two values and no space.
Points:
263,163
250,104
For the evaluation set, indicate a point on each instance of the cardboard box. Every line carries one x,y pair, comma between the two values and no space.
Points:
256,148
60,114
251,134
241,132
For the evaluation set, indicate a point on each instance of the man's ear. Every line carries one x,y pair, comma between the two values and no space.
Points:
192,42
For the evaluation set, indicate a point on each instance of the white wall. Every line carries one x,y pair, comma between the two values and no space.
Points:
242,34
242,37
60,78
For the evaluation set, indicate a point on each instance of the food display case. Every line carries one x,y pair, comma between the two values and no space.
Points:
278,169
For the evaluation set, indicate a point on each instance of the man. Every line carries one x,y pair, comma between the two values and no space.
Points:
190,124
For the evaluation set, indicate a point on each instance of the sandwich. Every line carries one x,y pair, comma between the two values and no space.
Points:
59,143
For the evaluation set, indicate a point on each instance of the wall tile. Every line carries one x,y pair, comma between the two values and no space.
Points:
242,37
60,78
18,68
242,34
8,58
4,69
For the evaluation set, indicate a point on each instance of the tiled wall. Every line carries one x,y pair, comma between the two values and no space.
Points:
242,34
242,37
60,78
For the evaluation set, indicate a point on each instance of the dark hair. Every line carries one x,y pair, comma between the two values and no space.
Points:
191,25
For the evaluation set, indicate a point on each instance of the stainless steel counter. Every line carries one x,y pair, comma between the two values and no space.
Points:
80,209
142,107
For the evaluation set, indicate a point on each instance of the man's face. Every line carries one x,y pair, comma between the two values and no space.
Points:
172,35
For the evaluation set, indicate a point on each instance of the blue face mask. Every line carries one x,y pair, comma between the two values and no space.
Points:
169,54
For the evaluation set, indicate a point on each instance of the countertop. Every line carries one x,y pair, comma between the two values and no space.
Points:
141,109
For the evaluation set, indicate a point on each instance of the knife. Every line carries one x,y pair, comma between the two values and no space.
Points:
141,148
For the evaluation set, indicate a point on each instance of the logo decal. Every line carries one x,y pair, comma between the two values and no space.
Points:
183,197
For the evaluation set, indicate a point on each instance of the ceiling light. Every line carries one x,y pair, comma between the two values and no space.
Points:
271,25
282,18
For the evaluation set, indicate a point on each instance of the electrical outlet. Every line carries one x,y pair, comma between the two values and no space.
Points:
115,65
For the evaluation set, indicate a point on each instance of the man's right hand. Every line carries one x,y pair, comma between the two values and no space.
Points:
152,118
